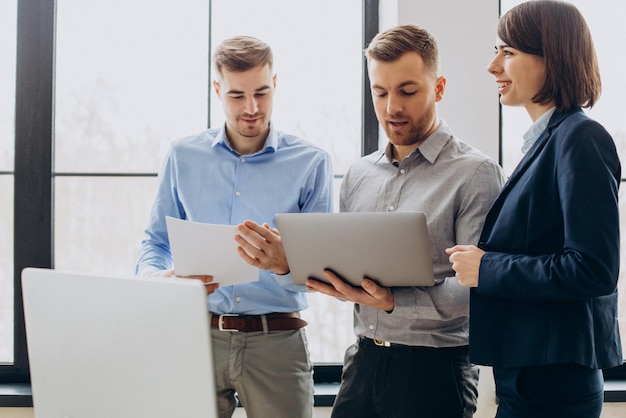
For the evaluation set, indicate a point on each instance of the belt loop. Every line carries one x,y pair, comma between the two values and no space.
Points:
266,330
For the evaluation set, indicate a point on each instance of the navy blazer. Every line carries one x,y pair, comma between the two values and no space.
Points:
547,282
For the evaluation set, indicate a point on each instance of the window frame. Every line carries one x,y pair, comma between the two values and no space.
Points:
33,183
34,174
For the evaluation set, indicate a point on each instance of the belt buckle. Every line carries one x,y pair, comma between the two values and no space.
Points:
382,343
220,323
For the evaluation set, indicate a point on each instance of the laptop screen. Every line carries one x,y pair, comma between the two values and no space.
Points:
102,347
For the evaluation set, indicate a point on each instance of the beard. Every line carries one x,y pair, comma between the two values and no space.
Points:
417,132
251,131
415,135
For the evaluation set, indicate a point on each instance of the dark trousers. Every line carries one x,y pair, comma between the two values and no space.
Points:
403,382
558,390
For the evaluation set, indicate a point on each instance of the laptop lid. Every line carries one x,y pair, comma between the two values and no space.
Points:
102,347
390,248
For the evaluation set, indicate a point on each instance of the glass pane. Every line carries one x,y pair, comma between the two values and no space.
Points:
318,97
318,67
603,18
8,21
129,78
6,270
8,28
99,222
330,320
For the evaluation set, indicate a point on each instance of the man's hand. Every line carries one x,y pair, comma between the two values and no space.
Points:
206,280
369,293
262,247
465,261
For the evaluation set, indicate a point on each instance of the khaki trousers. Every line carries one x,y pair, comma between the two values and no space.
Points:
270,373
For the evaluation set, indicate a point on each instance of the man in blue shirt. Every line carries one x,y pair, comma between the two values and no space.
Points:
243,174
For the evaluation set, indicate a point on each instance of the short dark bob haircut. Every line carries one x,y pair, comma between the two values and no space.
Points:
557,32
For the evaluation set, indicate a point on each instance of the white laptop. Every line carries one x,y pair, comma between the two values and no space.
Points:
390,248
103,347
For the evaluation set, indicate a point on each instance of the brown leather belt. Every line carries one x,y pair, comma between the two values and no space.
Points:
279,321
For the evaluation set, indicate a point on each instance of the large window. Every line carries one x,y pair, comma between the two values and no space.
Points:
603,18
120,97
103,88
8,19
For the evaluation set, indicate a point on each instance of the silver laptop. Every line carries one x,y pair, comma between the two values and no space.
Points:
390,248
102,347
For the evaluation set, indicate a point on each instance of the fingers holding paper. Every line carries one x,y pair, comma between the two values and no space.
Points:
369,293
261,246
206,280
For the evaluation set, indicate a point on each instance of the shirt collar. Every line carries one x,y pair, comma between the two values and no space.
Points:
536,129
271,142
430,148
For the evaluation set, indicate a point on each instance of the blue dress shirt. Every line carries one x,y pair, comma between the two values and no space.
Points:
536,129
204,180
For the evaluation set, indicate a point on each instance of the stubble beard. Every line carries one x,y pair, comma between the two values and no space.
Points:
416,134
252,132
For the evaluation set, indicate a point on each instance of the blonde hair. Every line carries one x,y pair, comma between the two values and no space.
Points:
242,53
391,44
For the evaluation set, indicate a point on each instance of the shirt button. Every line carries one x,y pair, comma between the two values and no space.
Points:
371,327
402,171
238,299
237,193
391,208
243,159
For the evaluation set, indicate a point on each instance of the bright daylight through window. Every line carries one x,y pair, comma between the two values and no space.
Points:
122,95
8,19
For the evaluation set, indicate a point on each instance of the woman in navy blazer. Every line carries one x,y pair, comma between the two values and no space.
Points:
543,307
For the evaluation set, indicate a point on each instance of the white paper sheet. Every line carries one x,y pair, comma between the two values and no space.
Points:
199,248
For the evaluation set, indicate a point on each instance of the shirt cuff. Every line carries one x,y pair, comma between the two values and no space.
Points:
145,270
286,281
404,302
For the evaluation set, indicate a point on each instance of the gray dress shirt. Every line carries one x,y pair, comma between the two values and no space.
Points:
454,185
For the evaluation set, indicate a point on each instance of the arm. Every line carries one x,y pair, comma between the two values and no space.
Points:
206,280
576,243
449,298
463,224
261,245
155,258
369,293
465,260
413,303
154,254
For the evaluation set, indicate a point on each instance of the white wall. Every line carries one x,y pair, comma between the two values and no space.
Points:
465,31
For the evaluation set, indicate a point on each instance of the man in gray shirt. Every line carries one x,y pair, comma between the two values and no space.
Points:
411,355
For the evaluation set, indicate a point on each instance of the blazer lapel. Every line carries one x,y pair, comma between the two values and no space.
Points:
523,166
